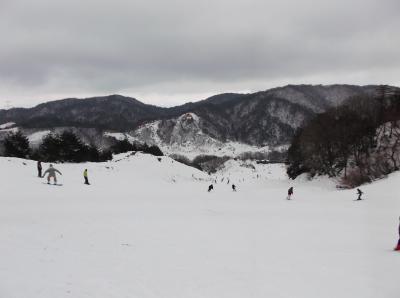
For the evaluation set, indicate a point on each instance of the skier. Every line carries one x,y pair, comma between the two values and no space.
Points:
359,192
210,187
233,187
290,193
52,173
398,243
85,176
39,168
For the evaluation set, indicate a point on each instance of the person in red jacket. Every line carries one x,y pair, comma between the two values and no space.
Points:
398,243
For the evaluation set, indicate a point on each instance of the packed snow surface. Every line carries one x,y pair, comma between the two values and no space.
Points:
149,228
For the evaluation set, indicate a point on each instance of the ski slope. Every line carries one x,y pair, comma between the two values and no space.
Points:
148,228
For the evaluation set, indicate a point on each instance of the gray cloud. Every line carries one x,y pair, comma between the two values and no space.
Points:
187,48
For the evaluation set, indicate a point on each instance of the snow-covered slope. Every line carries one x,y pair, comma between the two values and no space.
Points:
148,228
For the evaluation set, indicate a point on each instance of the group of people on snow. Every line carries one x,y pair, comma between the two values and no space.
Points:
211,187
52,173
359,193
290,194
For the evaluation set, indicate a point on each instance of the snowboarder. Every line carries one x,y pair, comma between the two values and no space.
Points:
52,173
233,187
290,193
39,168
85,176
359,192
398,243
210,187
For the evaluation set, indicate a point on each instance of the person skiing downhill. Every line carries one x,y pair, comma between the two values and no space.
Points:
85,176
290,193
52,174
398,243
210,187
39,168
233,187
359,192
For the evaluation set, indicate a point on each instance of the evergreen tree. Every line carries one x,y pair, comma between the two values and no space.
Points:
122,146
16,145
72,149
50,148
68,147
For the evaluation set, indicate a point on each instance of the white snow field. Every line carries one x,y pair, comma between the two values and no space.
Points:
146,228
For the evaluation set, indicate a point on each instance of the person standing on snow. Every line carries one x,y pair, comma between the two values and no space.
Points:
290,193
233,187
359,192
85,176
398,243
210,187
52,173
39,168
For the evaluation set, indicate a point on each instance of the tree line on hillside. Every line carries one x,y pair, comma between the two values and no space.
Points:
212,163
68,147
205,163
358,141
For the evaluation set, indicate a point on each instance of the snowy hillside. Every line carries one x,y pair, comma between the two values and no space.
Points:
148,228
7,125
224,124
185,138
187,135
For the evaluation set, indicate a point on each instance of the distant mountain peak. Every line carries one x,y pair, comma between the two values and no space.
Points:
265,118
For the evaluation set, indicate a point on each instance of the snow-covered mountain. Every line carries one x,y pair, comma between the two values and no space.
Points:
187,135
222,123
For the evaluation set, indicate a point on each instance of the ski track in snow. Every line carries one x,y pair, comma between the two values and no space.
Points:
146,228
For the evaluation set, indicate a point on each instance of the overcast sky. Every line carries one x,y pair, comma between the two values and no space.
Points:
167,52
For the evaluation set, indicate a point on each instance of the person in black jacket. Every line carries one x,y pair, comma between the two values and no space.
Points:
290,193
39,168
398,243
359,192
210,187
